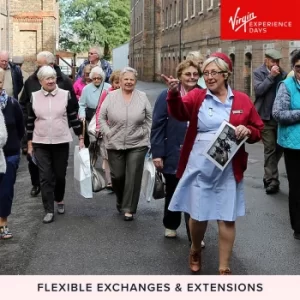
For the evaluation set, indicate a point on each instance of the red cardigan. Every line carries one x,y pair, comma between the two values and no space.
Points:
187,108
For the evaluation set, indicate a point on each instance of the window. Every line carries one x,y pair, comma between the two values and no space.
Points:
210,5
175,12
200,7
193,8
167,19
162,20
186,10
171,16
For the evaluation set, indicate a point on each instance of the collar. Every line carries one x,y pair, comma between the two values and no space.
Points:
229,93
53,93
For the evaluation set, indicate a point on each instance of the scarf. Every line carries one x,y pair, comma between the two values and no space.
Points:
3,99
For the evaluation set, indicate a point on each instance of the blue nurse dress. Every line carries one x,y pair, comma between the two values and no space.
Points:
204,191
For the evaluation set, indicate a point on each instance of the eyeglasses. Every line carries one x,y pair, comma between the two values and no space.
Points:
189,74
213,73
97,78
92,53
297,67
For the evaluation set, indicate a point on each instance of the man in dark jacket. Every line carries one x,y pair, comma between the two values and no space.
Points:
31,85
266,79
13,75
95,59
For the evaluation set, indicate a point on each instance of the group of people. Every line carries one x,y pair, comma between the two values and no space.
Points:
185,118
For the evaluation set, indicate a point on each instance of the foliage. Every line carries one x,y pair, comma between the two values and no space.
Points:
89,22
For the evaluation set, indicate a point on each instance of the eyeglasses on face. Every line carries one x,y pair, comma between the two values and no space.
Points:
212,73
92,53
189,74
97,78
297,67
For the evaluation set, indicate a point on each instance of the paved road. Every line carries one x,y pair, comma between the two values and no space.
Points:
92,238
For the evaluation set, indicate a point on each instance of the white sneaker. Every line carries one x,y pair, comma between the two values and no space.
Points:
169,233
202,244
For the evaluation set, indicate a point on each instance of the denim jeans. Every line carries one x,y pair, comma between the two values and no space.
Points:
7,182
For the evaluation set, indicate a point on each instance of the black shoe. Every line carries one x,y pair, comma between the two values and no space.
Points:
297,235
60,209
128,218
35,191
266,184
272,189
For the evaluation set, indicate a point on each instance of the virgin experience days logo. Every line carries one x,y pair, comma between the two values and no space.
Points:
239,22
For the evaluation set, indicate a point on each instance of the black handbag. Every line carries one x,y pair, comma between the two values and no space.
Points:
159,186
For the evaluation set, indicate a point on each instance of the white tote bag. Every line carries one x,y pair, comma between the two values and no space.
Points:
82,172
92,129
148,179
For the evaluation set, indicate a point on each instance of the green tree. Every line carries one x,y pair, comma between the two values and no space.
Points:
88,22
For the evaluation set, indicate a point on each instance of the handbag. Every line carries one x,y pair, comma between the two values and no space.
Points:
98,176
159,186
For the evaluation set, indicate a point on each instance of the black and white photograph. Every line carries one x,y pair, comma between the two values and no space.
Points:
224,146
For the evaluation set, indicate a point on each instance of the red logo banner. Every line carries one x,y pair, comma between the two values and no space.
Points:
259,20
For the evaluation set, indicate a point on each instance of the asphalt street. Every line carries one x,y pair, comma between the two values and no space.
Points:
92,238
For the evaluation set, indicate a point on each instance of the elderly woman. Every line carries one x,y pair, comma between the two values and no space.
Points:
125,121
204,191
10,142
198,57
90,97
286,111
48,137
81,82
167,136
115,84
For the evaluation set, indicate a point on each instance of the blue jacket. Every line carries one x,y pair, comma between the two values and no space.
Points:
17,79
286,111
105,65
167,135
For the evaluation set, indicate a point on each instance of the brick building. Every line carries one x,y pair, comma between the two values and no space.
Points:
28,27
182,26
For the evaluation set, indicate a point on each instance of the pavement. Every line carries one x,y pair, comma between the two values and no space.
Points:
92,238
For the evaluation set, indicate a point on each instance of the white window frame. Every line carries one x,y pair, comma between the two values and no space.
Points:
163,20
211,5
186,10
175,13
201,7
193,9
171,15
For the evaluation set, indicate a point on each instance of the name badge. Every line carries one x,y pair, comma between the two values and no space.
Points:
238,111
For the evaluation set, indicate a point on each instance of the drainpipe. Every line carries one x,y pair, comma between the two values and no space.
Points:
133,64
154,37
180,32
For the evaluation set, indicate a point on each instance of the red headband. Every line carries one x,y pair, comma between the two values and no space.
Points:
223,57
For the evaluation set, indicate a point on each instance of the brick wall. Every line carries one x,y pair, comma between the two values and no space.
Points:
32,26
187,25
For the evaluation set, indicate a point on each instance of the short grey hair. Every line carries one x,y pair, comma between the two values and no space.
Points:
98,50
195,55
129,70
99,71
46,72
222,65
48,55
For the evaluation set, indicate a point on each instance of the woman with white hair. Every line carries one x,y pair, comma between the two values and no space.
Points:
125,121
11,134
198,57
50,113
204,191
90,97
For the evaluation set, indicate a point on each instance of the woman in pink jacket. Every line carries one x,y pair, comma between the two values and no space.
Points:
115,84
81,82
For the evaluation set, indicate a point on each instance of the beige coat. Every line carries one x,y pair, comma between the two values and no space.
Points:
125,125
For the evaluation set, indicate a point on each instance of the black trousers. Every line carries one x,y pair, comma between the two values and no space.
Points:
172,219
52,162
292,164
33,171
